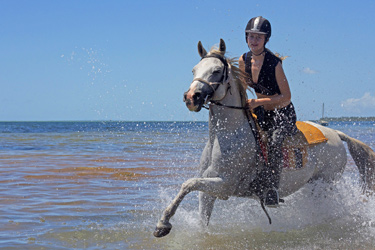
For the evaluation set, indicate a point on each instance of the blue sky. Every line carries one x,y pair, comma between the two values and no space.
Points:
132,60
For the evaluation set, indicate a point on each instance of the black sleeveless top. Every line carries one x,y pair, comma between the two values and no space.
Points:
267,84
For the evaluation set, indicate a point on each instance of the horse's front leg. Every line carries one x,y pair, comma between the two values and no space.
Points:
206,205
210,185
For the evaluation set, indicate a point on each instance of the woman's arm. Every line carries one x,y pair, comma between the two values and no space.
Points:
241,64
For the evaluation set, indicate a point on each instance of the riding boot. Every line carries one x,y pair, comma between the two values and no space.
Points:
273,176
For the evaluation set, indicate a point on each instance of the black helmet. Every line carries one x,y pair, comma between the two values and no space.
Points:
258,25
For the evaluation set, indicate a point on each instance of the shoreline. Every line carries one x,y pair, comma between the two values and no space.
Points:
348,119
328,119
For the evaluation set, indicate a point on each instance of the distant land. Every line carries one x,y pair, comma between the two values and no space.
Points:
327,119
348,119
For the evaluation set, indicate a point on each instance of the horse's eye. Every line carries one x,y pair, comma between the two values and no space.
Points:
216,72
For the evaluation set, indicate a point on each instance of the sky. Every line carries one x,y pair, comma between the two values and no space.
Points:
132,60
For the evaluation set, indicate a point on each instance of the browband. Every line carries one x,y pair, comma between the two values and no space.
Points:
221,58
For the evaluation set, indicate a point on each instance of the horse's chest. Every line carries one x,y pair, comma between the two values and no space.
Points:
230,146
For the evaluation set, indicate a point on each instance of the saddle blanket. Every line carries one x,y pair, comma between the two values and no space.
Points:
312,134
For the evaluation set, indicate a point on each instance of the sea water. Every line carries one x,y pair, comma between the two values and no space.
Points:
104,185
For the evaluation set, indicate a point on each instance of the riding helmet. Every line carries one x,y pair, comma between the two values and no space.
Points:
258,25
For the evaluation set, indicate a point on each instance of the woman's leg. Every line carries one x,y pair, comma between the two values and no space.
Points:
275,158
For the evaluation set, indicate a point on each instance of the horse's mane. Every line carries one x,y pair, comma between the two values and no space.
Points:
238,75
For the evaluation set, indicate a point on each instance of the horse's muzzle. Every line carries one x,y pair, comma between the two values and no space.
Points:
194,100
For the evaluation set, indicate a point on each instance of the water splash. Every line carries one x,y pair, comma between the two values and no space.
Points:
320,214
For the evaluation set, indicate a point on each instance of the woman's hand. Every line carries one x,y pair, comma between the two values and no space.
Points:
252,104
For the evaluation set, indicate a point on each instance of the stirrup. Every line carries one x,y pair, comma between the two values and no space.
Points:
272,198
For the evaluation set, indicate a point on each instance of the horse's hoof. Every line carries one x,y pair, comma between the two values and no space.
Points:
162,229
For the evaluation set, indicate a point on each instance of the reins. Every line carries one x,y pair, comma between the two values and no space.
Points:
226,106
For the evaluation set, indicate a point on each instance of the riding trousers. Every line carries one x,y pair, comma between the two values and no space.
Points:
278,124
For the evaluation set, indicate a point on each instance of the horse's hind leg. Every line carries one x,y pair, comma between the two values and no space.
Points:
364,158
206,205
214,186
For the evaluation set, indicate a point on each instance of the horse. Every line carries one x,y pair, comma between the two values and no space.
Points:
228,164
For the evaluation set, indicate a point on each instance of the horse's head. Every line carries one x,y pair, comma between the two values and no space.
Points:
210,81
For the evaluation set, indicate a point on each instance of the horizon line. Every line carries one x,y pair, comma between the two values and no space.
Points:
110,120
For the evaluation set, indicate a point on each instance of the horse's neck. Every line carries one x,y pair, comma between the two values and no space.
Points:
233,97
228,119
230,128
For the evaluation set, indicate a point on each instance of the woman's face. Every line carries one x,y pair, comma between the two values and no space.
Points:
256,41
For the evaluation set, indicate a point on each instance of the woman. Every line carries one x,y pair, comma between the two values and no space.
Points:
273,106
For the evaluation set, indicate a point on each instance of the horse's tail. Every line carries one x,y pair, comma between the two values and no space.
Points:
364,158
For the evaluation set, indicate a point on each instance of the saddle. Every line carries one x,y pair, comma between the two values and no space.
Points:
294,150
294,147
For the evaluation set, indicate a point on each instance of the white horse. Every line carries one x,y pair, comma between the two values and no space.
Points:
228,162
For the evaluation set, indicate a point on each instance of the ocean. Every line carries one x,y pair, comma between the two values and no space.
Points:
104,185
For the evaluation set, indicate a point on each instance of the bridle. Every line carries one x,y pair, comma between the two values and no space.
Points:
225,79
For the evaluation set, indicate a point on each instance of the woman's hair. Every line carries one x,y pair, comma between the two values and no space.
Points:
278,55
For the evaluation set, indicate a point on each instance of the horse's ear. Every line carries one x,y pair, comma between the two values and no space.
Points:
222,46
202,52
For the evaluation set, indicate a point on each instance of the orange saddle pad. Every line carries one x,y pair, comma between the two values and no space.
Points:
312,134
295,147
